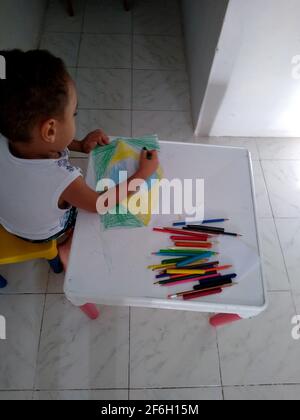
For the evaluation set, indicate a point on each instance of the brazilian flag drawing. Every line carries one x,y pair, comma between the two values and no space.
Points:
121,157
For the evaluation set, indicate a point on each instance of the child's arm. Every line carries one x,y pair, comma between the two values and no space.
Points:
97,137
80,195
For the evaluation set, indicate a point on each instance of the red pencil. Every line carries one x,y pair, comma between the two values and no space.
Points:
188,238
202,294
182,232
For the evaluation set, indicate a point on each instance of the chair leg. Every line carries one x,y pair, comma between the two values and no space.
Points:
3,282
56,265
90,310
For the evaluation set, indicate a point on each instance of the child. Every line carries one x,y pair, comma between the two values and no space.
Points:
40,190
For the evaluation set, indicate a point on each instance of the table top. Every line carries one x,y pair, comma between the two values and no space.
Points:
109,267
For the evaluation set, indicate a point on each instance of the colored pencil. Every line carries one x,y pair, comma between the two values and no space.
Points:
191,292
198,295
161,266
173,260
194,271
188,261
182,232
215,282
204,279
188,238
186,254
201,265
167,276
204,222
195,266
188,279
176,251
188,249
194,244
164,274
215,232
201,228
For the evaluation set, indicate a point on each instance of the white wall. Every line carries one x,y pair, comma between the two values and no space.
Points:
202,20
21,23
251,91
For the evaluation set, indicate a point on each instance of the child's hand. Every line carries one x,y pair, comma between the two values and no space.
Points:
93,139
148,166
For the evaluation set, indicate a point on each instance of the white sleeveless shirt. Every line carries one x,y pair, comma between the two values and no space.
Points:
29,193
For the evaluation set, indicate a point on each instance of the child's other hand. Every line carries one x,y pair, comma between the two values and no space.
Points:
148,166
93,139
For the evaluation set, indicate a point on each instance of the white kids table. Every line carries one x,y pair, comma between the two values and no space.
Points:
109,267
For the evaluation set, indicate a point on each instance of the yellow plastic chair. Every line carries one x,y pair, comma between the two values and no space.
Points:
14,250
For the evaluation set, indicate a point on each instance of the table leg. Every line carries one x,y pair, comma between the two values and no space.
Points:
90,310
223,319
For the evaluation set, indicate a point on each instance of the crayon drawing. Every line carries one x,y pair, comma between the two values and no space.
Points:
123,154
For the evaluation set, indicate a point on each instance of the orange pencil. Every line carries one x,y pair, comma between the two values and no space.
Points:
194,244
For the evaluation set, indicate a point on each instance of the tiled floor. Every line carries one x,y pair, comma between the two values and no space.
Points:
131,79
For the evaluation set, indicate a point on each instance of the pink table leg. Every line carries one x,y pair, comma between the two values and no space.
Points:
223,319
90,310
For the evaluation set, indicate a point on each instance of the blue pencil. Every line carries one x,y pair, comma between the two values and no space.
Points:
189,261
202,222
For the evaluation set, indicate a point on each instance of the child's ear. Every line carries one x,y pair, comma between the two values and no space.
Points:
48,131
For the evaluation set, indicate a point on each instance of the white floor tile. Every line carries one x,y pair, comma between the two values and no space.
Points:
76,353
283,183
261,192
196,394
160,90
58,19
157,17
105,51
261,350
85,395
108,89
274,265
28,277
296,295
158,53
56,282
289,236
278,149
172,349
18,353
114,123
263,393
62,45
16,395
168,125
107,17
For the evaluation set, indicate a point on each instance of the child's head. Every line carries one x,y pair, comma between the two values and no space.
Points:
37,101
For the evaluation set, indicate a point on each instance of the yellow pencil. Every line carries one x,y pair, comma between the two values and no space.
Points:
156,267
185,271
